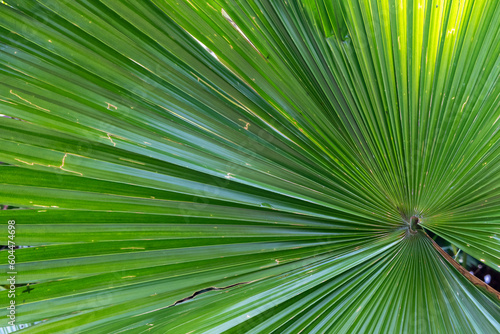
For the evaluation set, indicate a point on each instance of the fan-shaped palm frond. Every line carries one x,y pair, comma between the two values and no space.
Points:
251,166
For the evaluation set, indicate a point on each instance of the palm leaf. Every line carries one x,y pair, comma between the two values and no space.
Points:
251,166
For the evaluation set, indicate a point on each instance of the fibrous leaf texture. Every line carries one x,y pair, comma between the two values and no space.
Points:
250,166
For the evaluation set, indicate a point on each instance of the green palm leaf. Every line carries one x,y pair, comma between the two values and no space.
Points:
251,166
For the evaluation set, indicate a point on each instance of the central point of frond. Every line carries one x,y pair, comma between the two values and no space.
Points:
414,224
